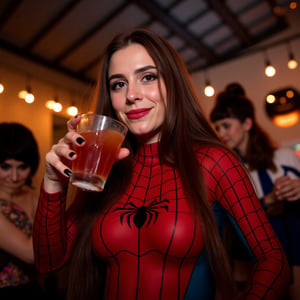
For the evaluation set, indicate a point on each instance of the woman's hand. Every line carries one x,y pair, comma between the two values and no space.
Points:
287,188
59,158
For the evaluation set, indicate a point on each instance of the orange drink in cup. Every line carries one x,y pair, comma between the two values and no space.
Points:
103,139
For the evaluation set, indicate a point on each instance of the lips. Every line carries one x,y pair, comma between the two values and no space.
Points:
137,113
225,141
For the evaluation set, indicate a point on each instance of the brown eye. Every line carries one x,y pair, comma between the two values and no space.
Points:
149,77
24,167
5,166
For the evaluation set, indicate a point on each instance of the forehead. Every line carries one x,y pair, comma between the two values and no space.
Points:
131,57
13,162
227,121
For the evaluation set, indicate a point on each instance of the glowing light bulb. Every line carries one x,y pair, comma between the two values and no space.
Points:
72,110
57,107
209,91
29,98
22,94
270,99
270,71
49,104
292,63
1,88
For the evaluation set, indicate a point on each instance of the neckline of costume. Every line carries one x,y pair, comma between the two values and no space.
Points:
148,154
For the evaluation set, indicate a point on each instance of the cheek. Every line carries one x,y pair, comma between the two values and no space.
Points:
117,102
3,174
155,95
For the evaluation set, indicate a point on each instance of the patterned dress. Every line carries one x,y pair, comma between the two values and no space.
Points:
152,240
13,272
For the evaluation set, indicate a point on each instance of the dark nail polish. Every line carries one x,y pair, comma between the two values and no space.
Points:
67,172
71,154
79,140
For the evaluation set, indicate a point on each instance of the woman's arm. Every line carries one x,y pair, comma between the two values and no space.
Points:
230,185
55,226
14,241
53,232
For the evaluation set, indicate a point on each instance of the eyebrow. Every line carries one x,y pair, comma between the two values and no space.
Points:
140,70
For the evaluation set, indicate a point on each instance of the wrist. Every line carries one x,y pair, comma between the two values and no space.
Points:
51,186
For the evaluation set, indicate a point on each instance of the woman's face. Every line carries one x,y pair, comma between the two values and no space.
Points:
233,133
135,94
13,174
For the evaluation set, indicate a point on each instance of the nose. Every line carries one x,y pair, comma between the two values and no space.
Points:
133,92
14,174
221,132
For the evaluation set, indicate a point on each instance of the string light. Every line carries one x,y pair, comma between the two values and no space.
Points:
29,98
57,106
292,62
26,95
22,94
49,104
209,90
1,87
72,110
270,70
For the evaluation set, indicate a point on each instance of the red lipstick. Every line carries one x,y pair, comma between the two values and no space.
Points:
137,113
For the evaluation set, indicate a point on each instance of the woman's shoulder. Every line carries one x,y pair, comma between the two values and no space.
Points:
215,155
214,151
284,151
286,156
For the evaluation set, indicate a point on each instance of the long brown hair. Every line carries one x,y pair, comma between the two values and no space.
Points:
232,103
184,126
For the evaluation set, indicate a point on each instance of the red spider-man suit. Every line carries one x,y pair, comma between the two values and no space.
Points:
151,239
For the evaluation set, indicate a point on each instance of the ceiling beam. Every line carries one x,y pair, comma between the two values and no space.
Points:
90,33
164,17
222,10
11,8
7,46
51,24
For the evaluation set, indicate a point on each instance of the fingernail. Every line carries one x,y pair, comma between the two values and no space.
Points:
67,172
71,154
79,140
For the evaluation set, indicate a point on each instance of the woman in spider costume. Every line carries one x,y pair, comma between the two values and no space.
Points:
155,232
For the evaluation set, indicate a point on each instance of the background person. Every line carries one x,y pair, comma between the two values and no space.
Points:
152,232
275,170
19,159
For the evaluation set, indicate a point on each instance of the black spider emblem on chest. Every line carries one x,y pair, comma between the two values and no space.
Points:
139,215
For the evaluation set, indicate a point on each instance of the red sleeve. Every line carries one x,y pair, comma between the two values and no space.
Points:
53,231
229,184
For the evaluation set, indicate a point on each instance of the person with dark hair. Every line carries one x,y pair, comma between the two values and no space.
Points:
155,232
19,159
274,170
